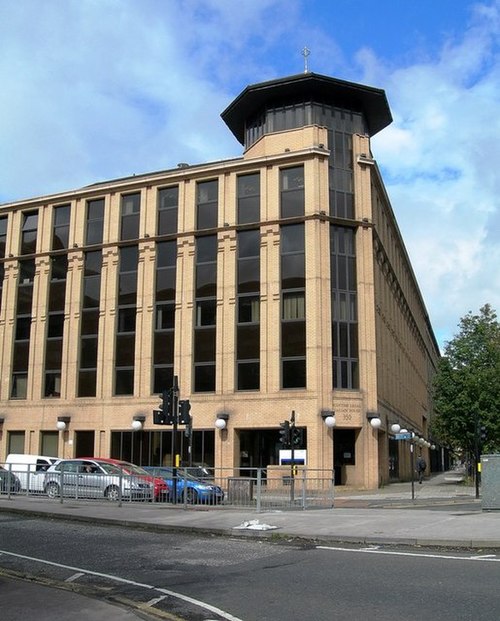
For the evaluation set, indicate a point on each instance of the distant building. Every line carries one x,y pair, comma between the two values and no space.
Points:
272,283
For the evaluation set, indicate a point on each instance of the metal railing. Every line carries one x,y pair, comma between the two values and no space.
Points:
261,489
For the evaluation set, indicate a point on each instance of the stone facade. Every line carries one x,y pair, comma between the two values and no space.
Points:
396,347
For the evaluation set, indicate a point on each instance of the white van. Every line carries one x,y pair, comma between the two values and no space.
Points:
29,469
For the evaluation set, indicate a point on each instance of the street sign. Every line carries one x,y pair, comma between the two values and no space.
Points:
402,436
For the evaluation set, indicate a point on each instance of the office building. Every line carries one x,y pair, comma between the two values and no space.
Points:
269,284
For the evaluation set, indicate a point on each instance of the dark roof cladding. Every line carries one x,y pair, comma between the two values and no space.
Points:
372,102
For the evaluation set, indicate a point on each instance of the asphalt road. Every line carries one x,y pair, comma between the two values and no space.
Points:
213,578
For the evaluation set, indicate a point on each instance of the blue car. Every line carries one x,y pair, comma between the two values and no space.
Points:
189,488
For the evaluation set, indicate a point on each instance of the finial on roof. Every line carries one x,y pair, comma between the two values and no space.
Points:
305,53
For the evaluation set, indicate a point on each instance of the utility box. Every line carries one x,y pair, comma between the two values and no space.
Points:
490,482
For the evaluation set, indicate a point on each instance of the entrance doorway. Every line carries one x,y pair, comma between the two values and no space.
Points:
344,453
259,448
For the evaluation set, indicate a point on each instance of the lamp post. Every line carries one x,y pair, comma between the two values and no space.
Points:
414,440
328,417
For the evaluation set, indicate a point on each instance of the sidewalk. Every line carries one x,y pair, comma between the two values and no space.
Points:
443,513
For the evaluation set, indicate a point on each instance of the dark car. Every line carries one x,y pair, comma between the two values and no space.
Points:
189,488
9,481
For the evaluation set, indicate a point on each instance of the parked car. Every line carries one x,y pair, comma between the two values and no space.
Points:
9,481
199,471
96,478
189,488
29,469
161,489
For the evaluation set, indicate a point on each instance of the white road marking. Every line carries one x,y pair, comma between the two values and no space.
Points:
74,577
185,598
154,601
487,557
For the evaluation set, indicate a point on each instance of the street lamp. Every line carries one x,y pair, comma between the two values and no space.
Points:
328,417
138,422
330,421
62,422
221,420
375,420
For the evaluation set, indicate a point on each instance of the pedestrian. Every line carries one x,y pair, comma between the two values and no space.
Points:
421,467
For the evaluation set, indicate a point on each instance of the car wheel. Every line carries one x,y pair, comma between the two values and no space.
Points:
52,490
191,496
112,493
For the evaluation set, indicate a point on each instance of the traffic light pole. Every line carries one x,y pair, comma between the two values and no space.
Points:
173,412
292,458
175,420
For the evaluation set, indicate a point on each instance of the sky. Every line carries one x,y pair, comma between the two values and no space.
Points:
93,90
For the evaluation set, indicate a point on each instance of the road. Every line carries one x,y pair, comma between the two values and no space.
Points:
242,579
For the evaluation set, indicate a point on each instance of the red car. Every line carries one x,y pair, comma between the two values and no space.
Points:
161,489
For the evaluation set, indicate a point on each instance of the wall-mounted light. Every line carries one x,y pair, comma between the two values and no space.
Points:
221,420
375,420
328,417
363,158
2,420
138,422
395,428
63,422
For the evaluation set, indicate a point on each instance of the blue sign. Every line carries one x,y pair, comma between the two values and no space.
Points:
402,436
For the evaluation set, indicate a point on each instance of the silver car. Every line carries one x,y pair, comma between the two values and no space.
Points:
92,478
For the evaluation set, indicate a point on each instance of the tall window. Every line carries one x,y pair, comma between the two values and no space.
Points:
341,175
95,222
22,333
292,191
29,232
55,325
163,357
344,308
60,230
168,204
3,245
56,302
125,327
293,321
249,198
207,196
130,210
89,331
248,320
205,314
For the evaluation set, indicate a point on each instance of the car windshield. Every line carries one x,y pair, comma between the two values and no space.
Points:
133,469
181,474
110,468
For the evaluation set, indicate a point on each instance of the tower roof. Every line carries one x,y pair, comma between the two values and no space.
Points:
372,102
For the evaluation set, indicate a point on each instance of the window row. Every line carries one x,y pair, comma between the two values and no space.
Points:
207,198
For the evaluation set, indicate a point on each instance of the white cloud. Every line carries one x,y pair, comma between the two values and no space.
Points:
440,161
97,89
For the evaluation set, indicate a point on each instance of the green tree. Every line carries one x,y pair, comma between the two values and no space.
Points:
467,385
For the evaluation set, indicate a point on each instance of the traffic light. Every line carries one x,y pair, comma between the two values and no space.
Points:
483,434
184,416
285,434
297,436
163,416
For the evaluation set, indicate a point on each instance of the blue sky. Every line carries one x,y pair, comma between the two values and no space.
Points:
98,89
